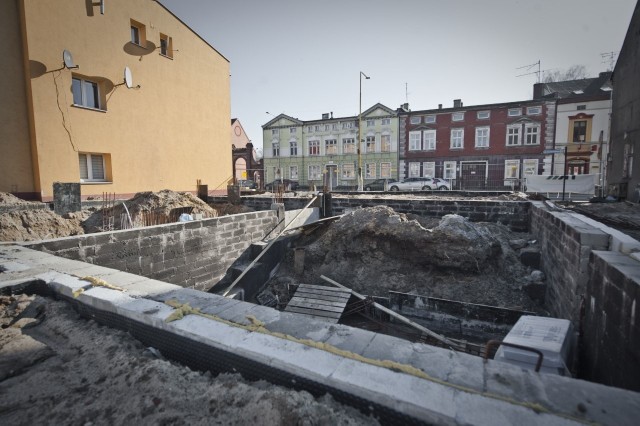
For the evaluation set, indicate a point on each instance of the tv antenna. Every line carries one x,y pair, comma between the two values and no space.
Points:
128,79
528,68
610,58
67,60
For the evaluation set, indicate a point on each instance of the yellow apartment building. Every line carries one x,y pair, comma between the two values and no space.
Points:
119,95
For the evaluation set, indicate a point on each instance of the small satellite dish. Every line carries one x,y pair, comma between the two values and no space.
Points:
128,78
67,58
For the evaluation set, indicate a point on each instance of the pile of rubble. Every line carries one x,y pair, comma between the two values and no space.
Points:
374,250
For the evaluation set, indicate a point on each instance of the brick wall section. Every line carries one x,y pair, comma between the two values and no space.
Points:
566,244
190,254
611,341
514,214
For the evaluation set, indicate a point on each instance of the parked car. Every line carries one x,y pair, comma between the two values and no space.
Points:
420,184
379,185
289,185
247,185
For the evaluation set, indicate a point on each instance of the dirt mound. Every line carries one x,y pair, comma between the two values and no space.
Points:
374,250
41,224
149,208
10,199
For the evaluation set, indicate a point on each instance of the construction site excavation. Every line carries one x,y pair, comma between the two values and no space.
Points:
328,293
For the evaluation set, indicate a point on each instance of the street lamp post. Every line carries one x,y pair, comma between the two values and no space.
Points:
360,179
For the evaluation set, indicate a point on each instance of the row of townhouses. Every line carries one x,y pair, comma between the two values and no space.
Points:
491,146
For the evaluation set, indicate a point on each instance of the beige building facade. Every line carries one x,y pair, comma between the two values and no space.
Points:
164,125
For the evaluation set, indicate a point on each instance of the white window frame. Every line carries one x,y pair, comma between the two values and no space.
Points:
314,144
429,169
457,116
314,172
334,126
483,115
84,99
370,141
331,147
385,170
347,125
530,166
430,119
371,123
457,136
511,169
414,169
293,148
517,134
514,112
429,140
348,171
536,134
316,128
275,132
351,143
370,170
482,140
449,170
415,141
385,142
310,129
293,172
415,119
275,149
292,130
534,110
386,121
88,162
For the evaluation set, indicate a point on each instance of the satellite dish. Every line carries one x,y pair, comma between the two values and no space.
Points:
128,78
67,58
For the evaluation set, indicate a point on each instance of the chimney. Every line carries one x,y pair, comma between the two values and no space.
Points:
405,107
439,106
457,103
331,114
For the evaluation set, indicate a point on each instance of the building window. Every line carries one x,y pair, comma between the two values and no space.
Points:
314,172
385,143
429,169
348,171
331,147
92,168
310,129
457,116
292,130
430,119
530,166
511,169
386,121
166,45
371,123
579,131
449,170
429,140
138,33
327,127
513,135
347,125
515,112
275,132
532,132
581,107
482,137
314,147
85,93
483,115
293,172
275,149
334,126
415,144
370,170
457,138
348,146
414,169
415,120
534,110
385,170
293,148
370,144
276,173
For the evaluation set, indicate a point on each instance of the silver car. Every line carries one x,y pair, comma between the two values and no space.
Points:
420,184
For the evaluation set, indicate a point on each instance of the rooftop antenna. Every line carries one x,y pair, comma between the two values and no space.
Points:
610,58
67,59
406,92
528,68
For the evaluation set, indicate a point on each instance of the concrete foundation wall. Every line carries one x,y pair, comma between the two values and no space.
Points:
191,254
514,214
611,339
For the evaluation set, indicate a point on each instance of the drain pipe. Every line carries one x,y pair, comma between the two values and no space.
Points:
262,253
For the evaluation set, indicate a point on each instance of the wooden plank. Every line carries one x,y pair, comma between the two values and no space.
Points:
321,297
324,293
302,304
322,287
312,312
320,301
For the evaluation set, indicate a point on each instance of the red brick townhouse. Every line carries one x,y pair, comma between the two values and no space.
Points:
477,147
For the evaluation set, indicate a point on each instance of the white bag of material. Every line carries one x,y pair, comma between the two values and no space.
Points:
185,217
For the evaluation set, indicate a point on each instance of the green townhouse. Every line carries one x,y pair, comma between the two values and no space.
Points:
325,150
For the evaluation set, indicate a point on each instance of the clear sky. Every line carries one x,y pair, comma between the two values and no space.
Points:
304,57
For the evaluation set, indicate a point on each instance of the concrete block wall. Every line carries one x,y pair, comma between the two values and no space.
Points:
514,214
566,243
191,254
611,339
